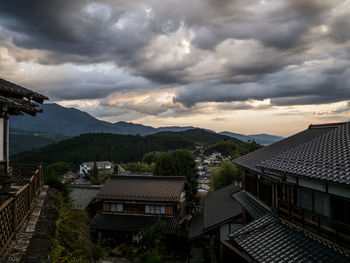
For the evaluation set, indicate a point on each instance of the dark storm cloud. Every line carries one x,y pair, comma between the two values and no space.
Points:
208,50
340,29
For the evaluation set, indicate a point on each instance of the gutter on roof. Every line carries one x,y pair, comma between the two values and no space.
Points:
301,176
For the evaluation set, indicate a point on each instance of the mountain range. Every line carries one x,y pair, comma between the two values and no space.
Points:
263,139
59,120
72,122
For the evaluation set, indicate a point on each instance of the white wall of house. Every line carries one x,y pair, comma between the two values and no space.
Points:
83,170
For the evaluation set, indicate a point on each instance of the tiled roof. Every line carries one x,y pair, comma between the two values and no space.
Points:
143,188
82,195
17,99
253,206
130,223
269,239
196,228
219,206
321,152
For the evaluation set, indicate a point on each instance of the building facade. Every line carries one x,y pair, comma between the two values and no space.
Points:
300,188
130,203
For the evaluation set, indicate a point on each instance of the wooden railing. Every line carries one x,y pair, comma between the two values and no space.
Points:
331,229
16,209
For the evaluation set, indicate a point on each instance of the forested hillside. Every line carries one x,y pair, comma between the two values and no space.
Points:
25,141
115,147
199,136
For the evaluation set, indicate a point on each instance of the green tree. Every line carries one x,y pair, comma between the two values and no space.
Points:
165,165
227,174
60,168
138,167
185,165
245,148
152,246
72,242
150,157
179,163
93,175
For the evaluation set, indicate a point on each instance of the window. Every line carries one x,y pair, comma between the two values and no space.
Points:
305,199
341,209
322,204
251,184
154,209
116,207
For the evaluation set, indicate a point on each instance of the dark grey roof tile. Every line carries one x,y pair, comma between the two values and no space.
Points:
143,188
321,152
219,206
269,239
253,206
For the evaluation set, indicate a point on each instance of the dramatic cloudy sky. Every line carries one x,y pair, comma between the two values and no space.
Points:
247,66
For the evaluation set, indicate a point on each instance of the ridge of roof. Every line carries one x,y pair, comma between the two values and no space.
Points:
147,177
321,152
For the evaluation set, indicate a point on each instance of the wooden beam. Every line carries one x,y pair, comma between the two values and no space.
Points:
238,252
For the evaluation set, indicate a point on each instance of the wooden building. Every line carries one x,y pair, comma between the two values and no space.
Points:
14,100
19,184
130,203
297,196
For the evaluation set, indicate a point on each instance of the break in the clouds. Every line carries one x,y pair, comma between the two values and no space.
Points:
176,58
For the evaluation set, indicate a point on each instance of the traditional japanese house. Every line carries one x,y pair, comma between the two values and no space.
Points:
297,194
220,216
19,184
131,203
104,167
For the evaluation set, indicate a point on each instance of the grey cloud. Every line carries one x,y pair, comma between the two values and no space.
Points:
340,29
219,119
296,86
237,51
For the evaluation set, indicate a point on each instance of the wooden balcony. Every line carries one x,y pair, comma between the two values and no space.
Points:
330,229
19,189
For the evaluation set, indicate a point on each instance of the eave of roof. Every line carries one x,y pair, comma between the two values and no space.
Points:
269,239
130,223
254,207
16,100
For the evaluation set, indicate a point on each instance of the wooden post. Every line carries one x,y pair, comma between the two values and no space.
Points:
14,215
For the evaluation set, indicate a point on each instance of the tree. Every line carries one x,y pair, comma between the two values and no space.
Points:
185,165
245,148
93,176
179,163
60,168
150,157
227,174
152,243
165,165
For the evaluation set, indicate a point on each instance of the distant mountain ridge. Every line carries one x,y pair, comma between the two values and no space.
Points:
73,122
57,119
263,139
